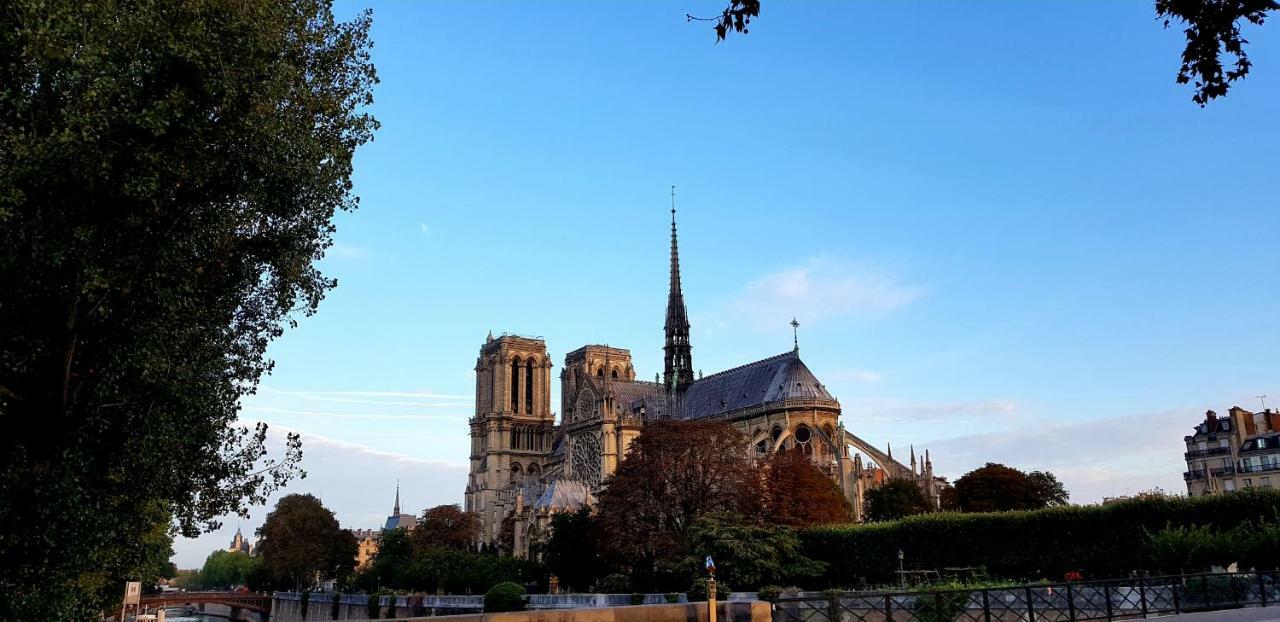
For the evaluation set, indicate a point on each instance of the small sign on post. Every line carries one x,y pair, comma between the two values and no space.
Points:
132,592
132,596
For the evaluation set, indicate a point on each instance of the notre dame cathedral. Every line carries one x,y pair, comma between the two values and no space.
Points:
525,467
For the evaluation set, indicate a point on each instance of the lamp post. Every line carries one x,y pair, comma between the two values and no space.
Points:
711,590
902,574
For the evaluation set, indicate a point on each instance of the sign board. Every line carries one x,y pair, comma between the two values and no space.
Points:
132,592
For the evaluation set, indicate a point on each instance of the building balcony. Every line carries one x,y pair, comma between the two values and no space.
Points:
1260,468
1205,453
1199,474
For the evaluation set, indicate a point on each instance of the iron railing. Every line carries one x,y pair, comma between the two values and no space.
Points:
1117,599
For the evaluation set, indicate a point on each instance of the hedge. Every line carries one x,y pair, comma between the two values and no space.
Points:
1101,541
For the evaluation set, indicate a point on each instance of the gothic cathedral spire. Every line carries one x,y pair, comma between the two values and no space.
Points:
396,511
678,368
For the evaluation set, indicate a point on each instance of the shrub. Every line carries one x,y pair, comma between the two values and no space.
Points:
374,605
698,591
615,583
1100,541
637,599
1214,591
1190,548
505,596
673,597
1258,546
939,607
769,593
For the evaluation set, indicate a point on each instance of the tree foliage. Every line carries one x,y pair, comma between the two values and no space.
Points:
302,541
227,569
748,553
572,551
1212,28
168,176
674,473
445,526
996,487
799,494
1100,541
896,498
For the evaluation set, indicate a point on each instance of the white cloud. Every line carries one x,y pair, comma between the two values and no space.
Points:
422,226
1095,458
356,482
855,375
821,289
864,410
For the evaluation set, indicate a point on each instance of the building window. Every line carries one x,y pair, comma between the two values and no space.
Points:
515,385
1228,485
528,386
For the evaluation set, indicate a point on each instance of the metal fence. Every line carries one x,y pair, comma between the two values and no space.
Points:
1118,599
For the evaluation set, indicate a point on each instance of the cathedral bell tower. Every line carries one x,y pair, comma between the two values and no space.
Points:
512,429
678,353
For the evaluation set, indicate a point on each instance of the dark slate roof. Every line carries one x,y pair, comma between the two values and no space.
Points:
629,396
774,379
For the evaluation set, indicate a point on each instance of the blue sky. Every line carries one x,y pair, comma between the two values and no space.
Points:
1006,232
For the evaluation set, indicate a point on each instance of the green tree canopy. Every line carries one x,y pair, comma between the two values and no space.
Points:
301,541
169,172
572,551
748,553
996,487
894,499
226,569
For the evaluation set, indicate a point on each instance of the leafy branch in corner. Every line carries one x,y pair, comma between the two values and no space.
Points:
1212,27
736,17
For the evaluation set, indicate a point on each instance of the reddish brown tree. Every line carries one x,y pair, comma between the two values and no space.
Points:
674,473
445,526
799,494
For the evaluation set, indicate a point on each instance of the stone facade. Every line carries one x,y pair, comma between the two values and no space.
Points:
1240,450
525,467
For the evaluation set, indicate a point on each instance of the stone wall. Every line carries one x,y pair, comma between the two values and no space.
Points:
287,606
735,611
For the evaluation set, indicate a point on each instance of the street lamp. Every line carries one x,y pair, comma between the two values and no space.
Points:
902,575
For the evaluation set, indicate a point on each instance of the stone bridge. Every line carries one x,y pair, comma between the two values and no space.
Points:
243,605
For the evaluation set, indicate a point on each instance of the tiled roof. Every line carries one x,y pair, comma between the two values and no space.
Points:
774,379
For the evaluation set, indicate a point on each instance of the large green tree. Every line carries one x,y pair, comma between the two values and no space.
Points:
169,171
996,487
894,499
225,569
572,551
301,542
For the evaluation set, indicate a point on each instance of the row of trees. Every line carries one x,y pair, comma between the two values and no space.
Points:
991,488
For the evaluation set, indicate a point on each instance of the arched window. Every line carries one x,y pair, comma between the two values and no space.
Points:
515,385
600,372
528,386
615,374
517,475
